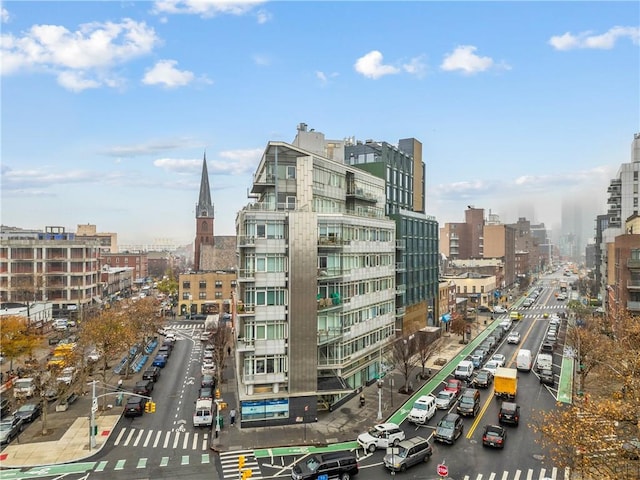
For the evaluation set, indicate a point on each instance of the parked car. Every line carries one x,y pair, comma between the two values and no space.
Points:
208,367
67,375
29,411
501,359
546,377
382,435
483,379
208,380
499,309
494,436
492,366
143,387
159,361
165,351
444,399
483,308
151,373
5,406
10,428
514,338
205,392
449,428
135,407
411,451
509,413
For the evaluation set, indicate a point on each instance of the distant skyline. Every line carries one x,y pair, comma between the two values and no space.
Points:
108,107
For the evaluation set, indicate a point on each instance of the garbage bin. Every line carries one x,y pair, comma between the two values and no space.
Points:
221,421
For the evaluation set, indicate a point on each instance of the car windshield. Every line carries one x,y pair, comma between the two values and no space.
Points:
466,401
483,374
494,432
27,408
444,395
453,385
419,406
402,452
312,464
374,432
5,425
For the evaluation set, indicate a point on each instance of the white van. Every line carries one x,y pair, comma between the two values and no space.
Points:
203,414
60,324
423,410
523,360
464,370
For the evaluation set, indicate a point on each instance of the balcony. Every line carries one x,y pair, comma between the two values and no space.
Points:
330,241
328,336
330,273
245,345
400,312
401,289
329,302
401,266
360,194
401,244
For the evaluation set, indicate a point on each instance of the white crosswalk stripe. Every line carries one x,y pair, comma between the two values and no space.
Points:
139,437
143,462
229,464
530,474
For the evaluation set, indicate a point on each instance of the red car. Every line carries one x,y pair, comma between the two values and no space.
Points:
454,385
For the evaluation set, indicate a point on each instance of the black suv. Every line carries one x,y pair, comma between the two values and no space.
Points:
135,407
341,465
509,413
143,387
449,428
469,403
151,373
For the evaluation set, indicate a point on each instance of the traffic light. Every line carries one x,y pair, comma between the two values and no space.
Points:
217,393
246,474
147,407
152,408
241,461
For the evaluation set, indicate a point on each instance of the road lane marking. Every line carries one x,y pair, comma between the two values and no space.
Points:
164,462
137,440
176,440
119,437
155,442
142,463
517,475
185,442
204,441
205,458
166,440
146,440
119,464
126,442
185,460
101,466
195,441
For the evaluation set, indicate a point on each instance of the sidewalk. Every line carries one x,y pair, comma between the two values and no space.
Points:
343,424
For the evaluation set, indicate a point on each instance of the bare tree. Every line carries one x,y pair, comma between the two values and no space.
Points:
426,347
221,341
403,354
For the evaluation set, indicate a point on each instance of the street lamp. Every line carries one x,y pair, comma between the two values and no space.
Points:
380,385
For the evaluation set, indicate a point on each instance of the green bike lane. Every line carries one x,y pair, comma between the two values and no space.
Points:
565,383
50,470
400,415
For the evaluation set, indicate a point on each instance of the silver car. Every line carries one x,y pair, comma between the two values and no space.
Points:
10,428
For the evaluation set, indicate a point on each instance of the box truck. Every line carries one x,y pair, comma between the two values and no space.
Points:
505,383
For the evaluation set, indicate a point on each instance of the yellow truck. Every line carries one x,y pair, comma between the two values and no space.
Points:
514,315
62,356
505,383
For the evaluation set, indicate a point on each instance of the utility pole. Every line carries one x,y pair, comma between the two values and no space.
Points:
380,384
92,418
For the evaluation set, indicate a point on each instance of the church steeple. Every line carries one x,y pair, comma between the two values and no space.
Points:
204,219
204,208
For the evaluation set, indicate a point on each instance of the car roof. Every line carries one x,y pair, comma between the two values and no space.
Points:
386,426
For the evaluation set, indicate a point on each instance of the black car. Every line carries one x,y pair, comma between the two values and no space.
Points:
509,413
449,428
483,308
29,411
546,377
151,373
143,387
135,407
205,392
165,350
5,406
482,379
341,465
469,403
494,436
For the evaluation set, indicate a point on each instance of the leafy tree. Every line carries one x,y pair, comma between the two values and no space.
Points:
168,285
16,339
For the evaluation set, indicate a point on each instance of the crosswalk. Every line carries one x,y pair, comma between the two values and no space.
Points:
229,464
174,439
530,474
144,463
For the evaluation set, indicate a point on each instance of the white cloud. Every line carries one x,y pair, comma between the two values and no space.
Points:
4,15
150,148
371,66
262,60
164,73
82,58
605,41
177,165
207,8
416,66
263,16
463,58
229,162
324,77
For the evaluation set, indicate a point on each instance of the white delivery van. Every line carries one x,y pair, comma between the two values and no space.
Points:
423,410
203,414
523,360
464,370
544,362
24,388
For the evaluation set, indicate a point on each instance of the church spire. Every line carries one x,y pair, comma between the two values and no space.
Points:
204,208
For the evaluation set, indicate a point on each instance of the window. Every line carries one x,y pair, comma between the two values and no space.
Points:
186,285
291,203
218,283
202,295
218,295
202,284
291,171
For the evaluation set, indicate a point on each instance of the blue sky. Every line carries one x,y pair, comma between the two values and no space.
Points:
107,107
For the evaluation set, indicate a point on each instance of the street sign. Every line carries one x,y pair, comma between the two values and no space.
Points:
94,405
443,470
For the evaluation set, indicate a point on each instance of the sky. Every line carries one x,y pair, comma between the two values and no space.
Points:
108,107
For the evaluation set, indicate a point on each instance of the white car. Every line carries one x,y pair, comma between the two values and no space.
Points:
444,399
498,357
514,337
208,367
381,436
491,366
506,324
67,375
169,335
499,309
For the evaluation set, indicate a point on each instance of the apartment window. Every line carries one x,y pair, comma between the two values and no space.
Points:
218,295
291,203
185,296
202,284
186,285
291,171
202,295
218,283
